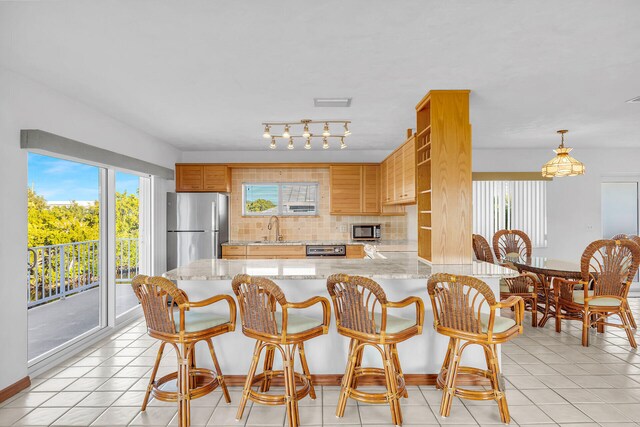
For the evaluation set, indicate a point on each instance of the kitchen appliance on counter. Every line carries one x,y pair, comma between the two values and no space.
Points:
326,250
197,225
365,231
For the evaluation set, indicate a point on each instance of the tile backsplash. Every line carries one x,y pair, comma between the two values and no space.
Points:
321,227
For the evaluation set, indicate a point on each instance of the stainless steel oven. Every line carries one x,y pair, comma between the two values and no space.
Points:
365,231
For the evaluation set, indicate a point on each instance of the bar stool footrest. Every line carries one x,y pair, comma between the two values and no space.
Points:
205,381
302,388
467,393
368,397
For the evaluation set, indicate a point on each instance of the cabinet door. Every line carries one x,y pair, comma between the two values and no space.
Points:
345,185
391,174
216,178
371,189
189,177
409,171
355,251
384,198
398,167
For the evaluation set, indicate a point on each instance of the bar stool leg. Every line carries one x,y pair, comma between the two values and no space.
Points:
392,386
398,368
624,316
247,383
216,365
534,312
267,368
348,378
452,370
154,372
290,386
586,317
183,380
491,356
305,370
447,360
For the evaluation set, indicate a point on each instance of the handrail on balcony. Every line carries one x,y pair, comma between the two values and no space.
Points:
57,271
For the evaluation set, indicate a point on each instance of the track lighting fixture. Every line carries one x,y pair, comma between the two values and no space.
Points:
290,133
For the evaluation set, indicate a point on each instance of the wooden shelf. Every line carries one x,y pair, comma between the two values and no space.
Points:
425,211
425,228
423,131
423,162
425,191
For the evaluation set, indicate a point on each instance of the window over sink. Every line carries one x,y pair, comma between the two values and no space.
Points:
280,198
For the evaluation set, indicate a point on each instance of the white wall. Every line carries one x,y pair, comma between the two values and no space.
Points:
573,203
25,104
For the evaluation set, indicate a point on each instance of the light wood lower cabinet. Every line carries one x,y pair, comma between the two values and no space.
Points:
355,251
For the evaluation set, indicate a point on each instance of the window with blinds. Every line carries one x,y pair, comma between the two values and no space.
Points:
518,205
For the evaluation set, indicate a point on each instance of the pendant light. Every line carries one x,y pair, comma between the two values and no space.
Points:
562,164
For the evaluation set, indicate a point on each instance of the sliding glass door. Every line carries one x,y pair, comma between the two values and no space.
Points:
65,247
87,239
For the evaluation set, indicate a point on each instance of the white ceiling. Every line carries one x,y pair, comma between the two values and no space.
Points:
203,75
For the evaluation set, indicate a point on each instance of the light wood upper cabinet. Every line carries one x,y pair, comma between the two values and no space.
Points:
345,182
371,189
189,177
203,178
400,170
355,189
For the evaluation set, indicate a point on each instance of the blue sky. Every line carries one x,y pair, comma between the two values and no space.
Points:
61,180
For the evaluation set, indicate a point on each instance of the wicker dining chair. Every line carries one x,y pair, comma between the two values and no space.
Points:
174,320
361,311
272,321
636,239
511,243
524,286
607,268
481,249
464,309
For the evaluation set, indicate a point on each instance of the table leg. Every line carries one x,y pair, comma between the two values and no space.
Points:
548,300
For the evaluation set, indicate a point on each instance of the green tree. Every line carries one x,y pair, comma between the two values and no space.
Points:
260,205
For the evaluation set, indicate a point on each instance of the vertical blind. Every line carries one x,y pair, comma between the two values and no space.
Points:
519,205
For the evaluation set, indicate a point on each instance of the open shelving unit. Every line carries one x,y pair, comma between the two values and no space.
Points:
443,177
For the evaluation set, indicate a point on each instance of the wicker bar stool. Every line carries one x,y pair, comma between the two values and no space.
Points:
360,307
159,298
459,311
281,330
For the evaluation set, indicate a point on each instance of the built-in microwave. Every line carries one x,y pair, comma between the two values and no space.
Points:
365,231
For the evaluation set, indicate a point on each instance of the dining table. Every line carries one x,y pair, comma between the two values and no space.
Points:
546,269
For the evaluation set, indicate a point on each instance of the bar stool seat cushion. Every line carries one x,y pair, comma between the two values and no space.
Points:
297,323
578,297
500,324
395,324
199,321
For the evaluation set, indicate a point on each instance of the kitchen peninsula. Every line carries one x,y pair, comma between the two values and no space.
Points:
400,276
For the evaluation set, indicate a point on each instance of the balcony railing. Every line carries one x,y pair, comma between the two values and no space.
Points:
57,271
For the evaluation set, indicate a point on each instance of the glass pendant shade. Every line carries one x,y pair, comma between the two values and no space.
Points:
562,164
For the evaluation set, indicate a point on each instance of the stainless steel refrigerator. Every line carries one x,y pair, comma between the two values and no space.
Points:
197,225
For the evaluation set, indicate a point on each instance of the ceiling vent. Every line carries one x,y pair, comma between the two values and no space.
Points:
635,100
332,102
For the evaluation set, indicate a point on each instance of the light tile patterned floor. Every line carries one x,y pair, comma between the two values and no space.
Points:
551,380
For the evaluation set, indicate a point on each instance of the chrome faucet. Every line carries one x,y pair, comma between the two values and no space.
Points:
278,237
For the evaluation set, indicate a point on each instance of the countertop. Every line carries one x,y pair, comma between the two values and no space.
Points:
403,265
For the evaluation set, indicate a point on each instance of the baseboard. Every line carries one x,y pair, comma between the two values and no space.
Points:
335,379
14,388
